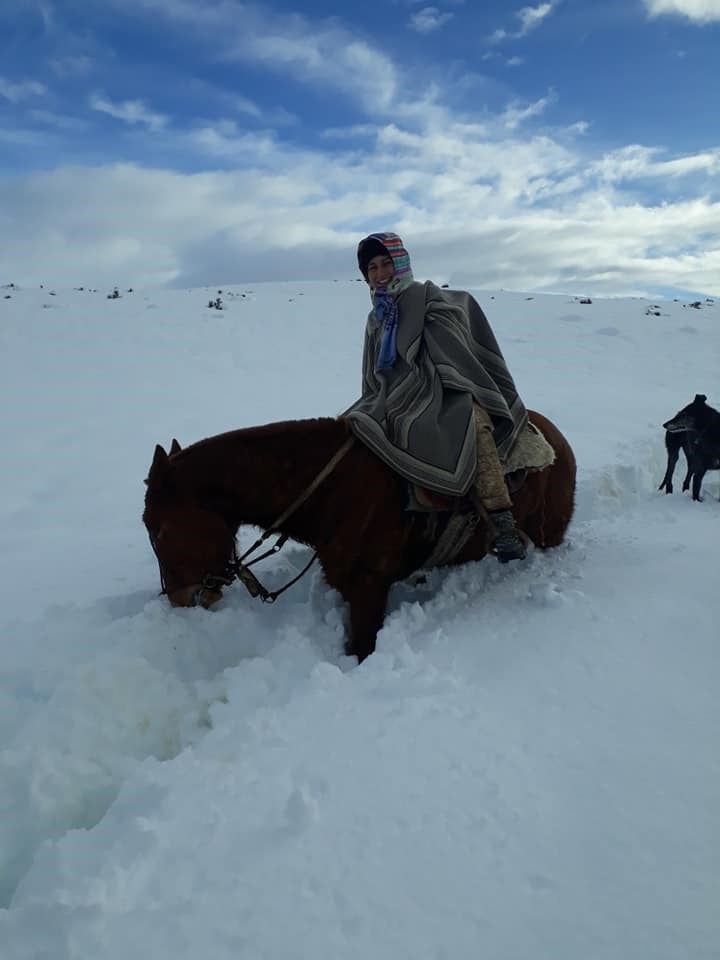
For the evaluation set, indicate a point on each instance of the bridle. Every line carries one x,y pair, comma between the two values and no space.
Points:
238,567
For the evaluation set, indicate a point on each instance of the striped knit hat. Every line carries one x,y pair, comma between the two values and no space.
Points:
379,244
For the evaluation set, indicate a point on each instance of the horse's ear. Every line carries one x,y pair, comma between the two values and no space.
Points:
159,464
160,473
175,447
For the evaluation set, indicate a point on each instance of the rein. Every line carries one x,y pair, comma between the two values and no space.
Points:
239,567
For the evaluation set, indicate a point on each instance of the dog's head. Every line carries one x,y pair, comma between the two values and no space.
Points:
692,417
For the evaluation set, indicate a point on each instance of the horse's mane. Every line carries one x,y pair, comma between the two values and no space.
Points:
288,430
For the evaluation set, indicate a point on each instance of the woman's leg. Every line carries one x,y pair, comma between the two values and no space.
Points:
491,491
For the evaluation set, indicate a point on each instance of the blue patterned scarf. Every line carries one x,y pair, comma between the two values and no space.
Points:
386,313
385,303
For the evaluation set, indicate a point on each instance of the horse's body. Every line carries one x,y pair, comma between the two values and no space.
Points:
356,520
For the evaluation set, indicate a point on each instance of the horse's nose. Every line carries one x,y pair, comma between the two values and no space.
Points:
184,596
194,596
207,598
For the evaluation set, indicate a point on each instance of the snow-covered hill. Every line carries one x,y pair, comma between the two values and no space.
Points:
528,767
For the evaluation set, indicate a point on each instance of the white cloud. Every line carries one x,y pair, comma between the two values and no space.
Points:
274,116
22,137
321,53
514,114
429,19
529,17
581,127
627,163
129,111
57,121
72,66
700,11
635,162
223,138
249,107
47,15
329,56
476,206
356,131
481,202
21,90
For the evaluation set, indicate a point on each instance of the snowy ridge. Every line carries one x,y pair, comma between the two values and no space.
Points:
526,768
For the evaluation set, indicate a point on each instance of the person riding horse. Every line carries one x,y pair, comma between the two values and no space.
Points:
438,402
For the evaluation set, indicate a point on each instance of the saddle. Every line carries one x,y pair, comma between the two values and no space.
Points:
422,500
451,522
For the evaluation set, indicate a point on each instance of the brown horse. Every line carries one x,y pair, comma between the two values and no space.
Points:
356,519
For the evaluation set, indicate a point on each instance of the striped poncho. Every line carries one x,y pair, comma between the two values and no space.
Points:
417,416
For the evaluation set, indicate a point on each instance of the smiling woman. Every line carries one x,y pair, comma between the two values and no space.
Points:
438,402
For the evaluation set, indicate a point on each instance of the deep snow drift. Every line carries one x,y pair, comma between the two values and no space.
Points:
528,767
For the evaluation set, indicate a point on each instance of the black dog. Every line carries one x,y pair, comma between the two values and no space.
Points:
696,430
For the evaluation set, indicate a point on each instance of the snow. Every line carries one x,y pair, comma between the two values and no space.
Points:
527,768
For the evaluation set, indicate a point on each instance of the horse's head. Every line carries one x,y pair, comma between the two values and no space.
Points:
193,543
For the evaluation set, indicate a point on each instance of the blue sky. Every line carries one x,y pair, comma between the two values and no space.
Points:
563,145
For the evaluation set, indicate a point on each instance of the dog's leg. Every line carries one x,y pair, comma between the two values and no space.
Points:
672,445
689,458
697,480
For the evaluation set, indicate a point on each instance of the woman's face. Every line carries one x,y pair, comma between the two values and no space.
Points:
380,270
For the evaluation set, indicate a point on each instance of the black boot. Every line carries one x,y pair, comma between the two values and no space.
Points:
508,542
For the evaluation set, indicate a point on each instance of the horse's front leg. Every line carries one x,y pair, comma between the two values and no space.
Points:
366,596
